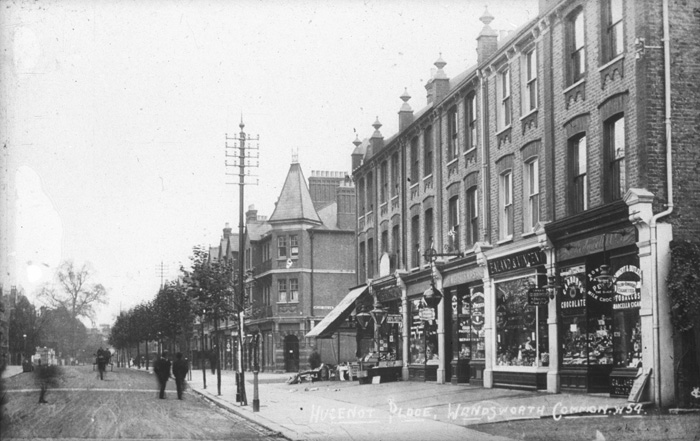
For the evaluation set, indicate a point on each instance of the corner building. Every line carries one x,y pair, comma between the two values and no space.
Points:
534,191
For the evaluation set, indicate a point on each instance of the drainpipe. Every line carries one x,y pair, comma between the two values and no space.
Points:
484,160
669,205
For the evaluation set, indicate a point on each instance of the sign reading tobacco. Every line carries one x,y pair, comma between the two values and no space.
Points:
537,296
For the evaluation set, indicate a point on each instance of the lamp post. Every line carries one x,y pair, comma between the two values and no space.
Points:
25,345
201,353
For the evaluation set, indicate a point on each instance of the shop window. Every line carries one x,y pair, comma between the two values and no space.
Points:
478,341
521,329
293,290
529,85
470,119
472,216
576,44
503,112
505,196
614,144
415,161
578,181
294,245
627,335
423,336
452,134
613,30
428,151
531,184
281,246
469,319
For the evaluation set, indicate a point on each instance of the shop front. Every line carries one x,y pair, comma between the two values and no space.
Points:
424,353
520,349
600,326
463,288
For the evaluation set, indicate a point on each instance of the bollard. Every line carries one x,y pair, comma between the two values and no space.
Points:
256,401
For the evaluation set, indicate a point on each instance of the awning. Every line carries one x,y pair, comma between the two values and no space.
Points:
326,327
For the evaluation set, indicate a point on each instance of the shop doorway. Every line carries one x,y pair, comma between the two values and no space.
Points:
291,353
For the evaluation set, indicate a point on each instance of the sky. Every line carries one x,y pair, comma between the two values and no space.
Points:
117,114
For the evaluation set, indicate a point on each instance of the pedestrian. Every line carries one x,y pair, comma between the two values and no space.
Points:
180,369
213,359
162,370
101,362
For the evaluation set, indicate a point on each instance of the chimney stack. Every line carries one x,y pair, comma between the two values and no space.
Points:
358,155
487,41
227,231
439,84
406,113
251,215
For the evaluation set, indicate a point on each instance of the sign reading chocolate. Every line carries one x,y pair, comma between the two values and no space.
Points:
524,259
572,295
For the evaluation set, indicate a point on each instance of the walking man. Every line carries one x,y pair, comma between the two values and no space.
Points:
180,369
162,370
101,362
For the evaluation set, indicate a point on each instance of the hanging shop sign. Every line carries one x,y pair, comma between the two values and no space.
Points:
394,318
427,314
537,297
388,293
524,259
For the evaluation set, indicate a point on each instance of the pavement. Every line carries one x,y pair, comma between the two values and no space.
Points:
347,410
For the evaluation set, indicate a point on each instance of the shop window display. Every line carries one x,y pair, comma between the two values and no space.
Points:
521,328
477,324
424,342
627,335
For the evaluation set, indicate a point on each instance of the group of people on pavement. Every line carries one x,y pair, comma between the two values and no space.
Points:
162,368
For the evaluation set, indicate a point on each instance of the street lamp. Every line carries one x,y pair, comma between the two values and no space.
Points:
25,345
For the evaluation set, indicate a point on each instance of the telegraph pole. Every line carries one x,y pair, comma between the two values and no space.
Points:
160,272
245,157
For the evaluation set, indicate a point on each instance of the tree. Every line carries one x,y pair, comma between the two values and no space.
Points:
211,285
174,313
75,293
23,333
59,330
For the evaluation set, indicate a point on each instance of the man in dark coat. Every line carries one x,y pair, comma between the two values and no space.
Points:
102,362
180,369
162,370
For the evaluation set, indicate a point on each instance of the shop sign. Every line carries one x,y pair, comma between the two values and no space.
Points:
572,294
393,318
597,290
537,296
388,293
427,314
525,259
627,292
477,311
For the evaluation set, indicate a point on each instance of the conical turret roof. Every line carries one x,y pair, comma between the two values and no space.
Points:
294,203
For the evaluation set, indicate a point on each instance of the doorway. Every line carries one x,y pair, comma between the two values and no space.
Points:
291,353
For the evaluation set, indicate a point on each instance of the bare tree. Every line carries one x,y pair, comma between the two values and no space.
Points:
74,292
